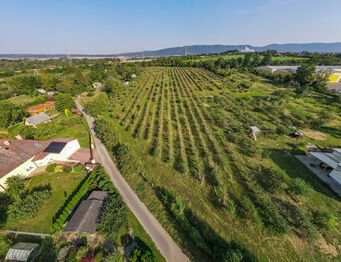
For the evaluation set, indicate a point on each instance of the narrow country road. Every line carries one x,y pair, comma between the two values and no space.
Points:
168,248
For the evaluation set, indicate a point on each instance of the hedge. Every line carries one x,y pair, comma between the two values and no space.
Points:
97,177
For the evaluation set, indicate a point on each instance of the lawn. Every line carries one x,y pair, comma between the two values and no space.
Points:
63,184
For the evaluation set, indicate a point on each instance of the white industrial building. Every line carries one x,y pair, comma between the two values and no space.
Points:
331,161
334,72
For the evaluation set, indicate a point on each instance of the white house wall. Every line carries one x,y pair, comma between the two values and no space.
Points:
23,170
70,148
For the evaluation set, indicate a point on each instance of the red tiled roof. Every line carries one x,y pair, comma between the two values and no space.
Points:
36,107
19,151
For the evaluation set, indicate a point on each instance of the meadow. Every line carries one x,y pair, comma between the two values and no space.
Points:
190,129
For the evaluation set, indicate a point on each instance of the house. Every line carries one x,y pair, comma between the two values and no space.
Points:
37,119
133,75
331,161
86,216
41,107
22,251
22,157
126,83
97,85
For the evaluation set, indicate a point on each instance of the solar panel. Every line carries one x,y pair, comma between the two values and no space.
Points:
55,147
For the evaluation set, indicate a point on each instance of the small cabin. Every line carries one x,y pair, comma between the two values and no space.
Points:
254,132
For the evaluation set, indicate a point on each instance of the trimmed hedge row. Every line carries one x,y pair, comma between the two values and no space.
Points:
97,177
69,205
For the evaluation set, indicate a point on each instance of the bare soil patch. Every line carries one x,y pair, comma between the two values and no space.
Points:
317,135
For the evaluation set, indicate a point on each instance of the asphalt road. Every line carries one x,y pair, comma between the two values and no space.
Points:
167,247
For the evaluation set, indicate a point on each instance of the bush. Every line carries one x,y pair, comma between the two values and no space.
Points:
303,222
28,206
325,220
50,168
79,168
58,168
67,169
299,187
113,218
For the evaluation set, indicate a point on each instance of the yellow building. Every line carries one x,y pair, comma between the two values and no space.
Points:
334,72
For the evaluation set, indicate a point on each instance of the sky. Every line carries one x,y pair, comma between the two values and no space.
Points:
113,26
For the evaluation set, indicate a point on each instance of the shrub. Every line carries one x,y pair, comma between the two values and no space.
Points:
50,168
58,168
28,206
301,149
325,220
67,169
79,168
113,218
300,187
303,222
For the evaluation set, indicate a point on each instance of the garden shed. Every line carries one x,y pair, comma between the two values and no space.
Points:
254,131
84,219
23,251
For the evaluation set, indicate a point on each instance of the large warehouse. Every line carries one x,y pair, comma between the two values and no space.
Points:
333,71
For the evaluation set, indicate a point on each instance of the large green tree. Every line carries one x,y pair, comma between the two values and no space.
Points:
10,113
64,101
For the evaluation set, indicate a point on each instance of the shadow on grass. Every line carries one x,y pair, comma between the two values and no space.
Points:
287,161
201,241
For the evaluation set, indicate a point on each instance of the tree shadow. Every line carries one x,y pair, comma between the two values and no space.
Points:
201,240
287,161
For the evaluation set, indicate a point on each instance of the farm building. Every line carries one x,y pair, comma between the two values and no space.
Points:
22,251
331,161
37,119
85,218
22,157
41,108
334,72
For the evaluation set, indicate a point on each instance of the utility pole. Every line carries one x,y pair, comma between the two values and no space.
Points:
68,56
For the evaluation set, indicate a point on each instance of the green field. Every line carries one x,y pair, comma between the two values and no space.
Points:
62,184
190,129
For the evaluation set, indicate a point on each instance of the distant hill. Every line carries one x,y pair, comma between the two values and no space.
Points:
209,49
202,49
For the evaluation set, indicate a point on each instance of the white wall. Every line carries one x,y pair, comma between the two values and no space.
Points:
24,170
67,151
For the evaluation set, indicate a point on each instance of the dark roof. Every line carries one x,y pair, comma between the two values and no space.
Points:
84,219
98,195
55,147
